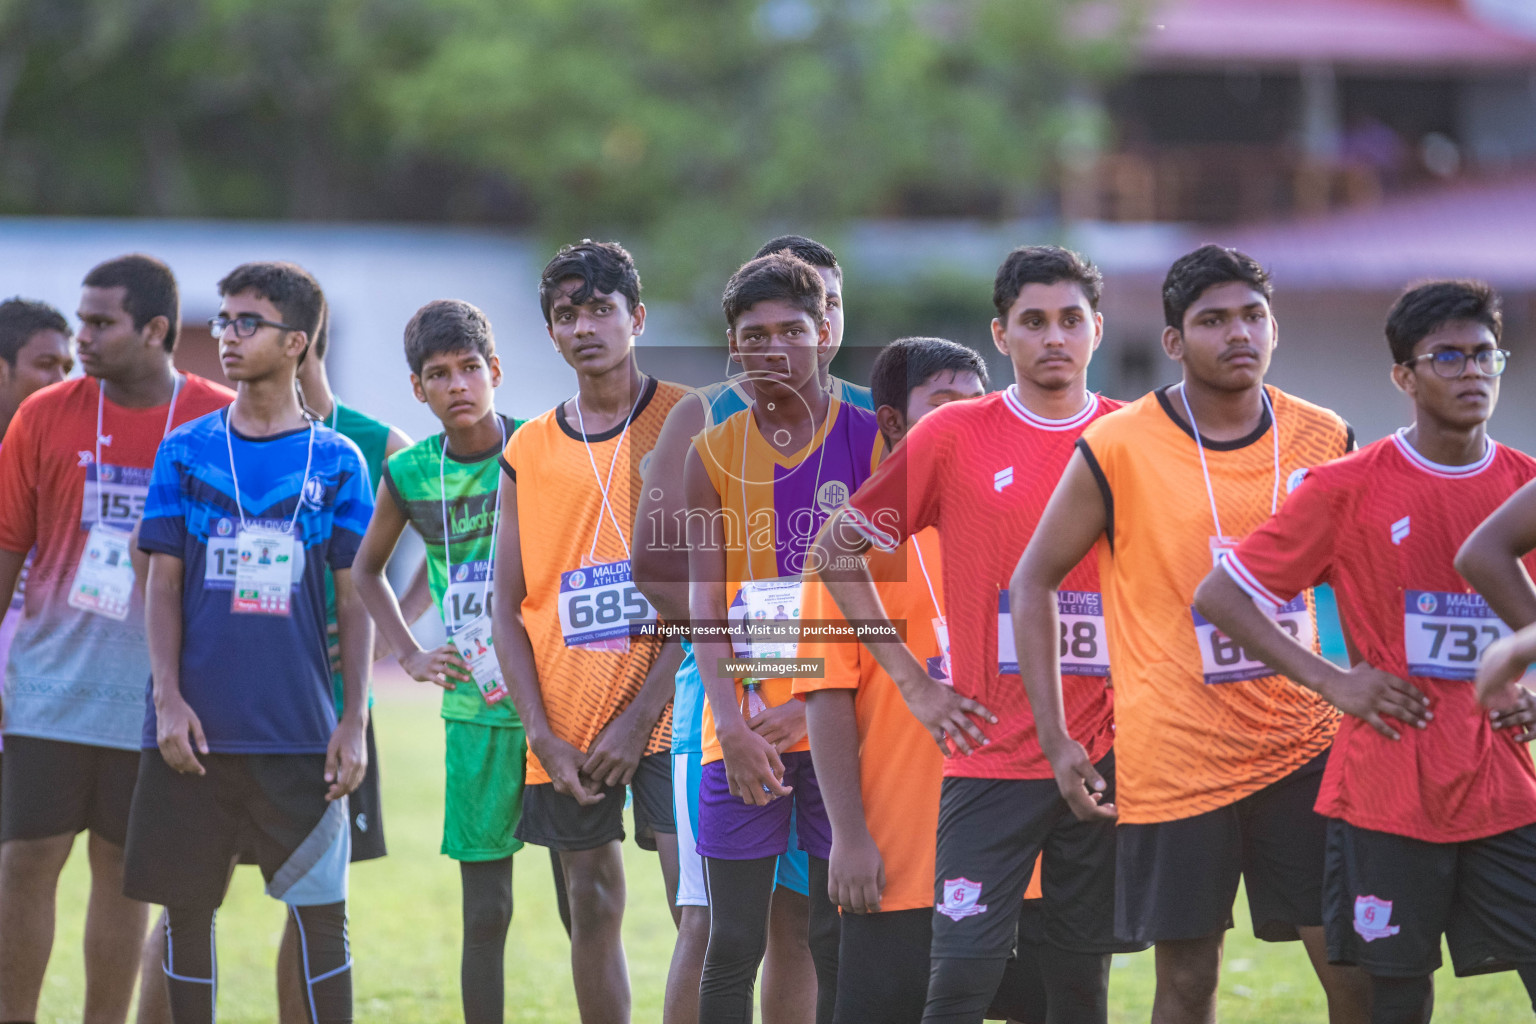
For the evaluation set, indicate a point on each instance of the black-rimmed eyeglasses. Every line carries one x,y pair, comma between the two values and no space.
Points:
1451,363
245,325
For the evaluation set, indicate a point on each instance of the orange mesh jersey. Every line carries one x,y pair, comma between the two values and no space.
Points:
773,506
900,767
1197,727
559,514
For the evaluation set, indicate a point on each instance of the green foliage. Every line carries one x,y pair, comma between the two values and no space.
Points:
686,122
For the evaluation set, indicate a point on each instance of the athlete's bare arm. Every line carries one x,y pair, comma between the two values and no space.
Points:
949,718
346,756
1490,558
1498,683
660,558
753,768
856,871
514,652
1363,690
1072,523
615,753
178,729
442,665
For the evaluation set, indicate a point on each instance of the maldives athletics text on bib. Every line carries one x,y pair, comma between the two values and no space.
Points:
1084,651
601,605
1445,635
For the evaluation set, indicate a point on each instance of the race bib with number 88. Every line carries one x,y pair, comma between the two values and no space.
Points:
1083,650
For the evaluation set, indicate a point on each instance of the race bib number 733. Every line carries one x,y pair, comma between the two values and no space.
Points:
1445,635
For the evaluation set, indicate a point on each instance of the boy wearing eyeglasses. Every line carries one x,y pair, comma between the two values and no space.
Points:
1431,801
242,745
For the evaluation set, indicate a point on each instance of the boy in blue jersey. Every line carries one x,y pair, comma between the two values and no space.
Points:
661,571
242,746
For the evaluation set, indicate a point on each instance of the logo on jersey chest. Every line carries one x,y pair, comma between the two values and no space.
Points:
960,896
1400,530
314,492
1373,918
831,496
1002,478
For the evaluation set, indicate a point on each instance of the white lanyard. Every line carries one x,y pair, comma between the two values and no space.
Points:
101,404
928,580
815,484
1274,429
581,425
235,479
442,491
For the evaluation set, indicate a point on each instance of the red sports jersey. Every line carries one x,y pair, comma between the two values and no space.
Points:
1383,526
981,472
72,675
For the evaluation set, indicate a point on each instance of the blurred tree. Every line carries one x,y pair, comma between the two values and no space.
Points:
690,123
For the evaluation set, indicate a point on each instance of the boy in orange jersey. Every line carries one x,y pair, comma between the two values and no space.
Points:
1218,757
593,693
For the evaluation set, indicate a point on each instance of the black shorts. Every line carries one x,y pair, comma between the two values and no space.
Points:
990,832
557,821
1178,879
1388,899
365,805
187,830
66,788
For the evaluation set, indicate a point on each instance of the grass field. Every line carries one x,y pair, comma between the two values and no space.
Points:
405,928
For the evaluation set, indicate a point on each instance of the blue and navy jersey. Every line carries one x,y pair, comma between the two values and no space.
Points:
726,399
260,684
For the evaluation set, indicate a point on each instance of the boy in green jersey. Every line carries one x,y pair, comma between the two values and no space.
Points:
446,488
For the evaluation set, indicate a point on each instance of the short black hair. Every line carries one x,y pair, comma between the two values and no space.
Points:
908,363
605,267
1192,273
288,286
1425,308
808,249
20,319
780,276
447,326
150,289
1044,264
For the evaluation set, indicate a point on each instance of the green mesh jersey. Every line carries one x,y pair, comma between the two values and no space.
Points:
458,591
372,438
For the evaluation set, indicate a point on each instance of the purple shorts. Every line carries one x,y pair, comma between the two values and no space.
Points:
731,829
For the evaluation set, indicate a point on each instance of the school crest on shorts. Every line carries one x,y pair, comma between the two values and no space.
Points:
960,896
1373,918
